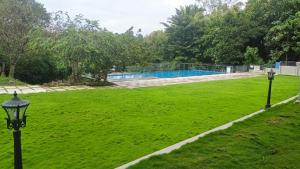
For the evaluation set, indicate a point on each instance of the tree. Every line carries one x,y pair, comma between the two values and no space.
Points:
226,36
71,41
103,53
17,19
213,5
183,31
284,39
39,64
252,57
262,15
156,46
133,49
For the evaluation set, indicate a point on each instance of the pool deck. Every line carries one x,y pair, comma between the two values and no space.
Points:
138,83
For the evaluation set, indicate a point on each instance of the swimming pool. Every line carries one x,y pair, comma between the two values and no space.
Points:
161,74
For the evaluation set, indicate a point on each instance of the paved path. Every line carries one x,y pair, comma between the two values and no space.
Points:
128,84
38,89
181,80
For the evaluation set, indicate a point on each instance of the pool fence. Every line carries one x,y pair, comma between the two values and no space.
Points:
187,66
286,68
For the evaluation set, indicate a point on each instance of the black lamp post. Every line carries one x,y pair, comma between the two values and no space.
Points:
16,118
271,75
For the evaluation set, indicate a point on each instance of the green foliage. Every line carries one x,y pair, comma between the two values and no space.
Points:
223,34
105,128
71,41
133,49
36,69
284,38
156,45
17,19
103,53
263,14
252,57
226,36
182,30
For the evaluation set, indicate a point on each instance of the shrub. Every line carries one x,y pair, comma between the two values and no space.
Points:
36,69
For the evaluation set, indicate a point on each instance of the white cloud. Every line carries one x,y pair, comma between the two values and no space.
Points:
119,15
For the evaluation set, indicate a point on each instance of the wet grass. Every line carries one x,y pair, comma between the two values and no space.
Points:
105,128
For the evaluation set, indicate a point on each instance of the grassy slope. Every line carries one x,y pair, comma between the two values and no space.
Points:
5,81
105,128
270,140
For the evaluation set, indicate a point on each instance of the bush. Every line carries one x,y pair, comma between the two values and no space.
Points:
36,69
252,57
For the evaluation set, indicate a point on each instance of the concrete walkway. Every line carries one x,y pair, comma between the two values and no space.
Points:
128,84
181,80
39,89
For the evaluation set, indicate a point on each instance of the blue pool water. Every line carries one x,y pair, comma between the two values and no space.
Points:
161,74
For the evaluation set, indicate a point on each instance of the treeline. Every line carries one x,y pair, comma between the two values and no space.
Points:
39,47
262,31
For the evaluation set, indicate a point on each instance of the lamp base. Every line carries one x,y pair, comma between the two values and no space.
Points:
268,106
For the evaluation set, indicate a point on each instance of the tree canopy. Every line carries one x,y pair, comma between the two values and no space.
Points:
57,46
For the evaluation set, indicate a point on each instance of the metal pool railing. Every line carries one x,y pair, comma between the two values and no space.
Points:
171,70
175,66
161,74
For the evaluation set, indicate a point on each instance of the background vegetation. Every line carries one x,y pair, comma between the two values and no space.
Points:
40,47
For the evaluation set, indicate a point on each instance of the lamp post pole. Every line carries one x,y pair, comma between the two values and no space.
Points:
298,74
268,105
18,151
271,78
17,142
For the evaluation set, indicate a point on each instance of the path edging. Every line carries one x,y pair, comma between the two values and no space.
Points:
195,138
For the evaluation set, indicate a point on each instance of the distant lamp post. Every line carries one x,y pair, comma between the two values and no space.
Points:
298,66
271,75
16,118
298,100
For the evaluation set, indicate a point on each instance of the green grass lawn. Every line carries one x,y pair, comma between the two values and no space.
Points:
5,81
105,128
269,140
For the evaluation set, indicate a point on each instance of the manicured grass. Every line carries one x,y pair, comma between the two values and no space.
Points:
5,81
105,128
269,140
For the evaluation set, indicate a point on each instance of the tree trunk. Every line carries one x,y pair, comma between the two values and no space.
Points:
12,68
105,76
75,72
3,70
101,77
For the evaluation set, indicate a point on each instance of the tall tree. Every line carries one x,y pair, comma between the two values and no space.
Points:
104,50
133,50
226,36
17,19
156,45
183,30
71,41
263,14
284,39
211,5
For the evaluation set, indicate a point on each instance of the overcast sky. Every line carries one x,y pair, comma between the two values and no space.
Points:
119,15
